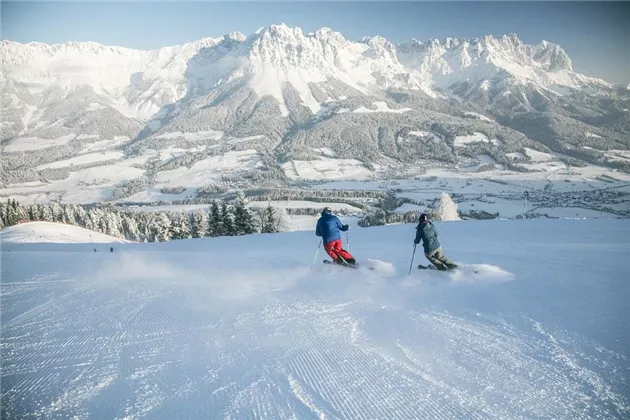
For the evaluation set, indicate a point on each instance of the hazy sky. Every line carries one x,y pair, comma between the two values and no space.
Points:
595,35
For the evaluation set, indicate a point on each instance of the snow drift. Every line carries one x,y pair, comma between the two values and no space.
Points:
47,232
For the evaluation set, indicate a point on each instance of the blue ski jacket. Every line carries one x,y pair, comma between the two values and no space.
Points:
328,227
427,233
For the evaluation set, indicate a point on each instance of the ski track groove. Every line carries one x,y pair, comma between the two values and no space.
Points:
60,354
399,404
354,370
313,376
369,381
436,385
352,367
303,370
524,393
347,404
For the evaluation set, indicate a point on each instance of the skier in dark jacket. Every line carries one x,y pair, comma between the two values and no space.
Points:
427,232
328,227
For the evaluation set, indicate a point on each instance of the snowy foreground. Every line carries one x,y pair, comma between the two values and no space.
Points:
243,328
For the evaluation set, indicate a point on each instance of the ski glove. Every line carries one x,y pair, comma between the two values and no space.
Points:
344,228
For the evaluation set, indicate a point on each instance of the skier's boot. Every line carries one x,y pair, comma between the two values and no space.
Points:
451,266
441,267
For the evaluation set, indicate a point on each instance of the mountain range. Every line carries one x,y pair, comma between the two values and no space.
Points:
281,105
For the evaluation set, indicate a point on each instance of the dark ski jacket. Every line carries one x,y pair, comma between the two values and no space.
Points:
328,227
428,234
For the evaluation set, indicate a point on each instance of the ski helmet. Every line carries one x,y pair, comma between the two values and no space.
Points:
423,218
326,210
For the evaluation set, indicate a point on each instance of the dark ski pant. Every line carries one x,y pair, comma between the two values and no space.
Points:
438,259
335,251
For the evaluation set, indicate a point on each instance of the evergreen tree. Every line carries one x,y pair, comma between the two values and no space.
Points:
229,227
3,214
19,212
144,226
46,214
160,228
32,213
130,228
186,226
215,223
22,213
180,228
144,230
269,224
114,223
57,213
198,224
10,215
68,214
243,218
80,216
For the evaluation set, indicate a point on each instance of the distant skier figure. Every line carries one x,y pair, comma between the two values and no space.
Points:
427,232
328,227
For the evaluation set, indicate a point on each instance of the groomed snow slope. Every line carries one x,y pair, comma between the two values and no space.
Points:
241,327
48,232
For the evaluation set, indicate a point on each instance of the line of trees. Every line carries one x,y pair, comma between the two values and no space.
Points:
220,219
382,217
446,209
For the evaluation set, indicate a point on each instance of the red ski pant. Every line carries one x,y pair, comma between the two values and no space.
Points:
335,251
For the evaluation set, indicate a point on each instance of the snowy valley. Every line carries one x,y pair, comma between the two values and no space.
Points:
87,123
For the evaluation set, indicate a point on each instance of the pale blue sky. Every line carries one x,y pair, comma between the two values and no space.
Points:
595,35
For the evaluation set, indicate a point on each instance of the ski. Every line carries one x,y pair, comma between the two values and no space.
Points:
432,267
342,265
428,267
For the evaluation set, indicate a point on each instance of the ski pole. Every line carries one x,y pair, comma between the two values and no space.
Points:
412,257
318,246
347,242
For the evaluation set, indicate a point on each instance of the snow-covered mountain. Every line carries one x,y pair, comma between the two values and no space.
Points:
288,96
138,84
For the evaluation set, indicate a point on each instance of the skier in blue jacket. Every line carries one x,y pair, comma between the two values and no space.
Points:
329,227
427,233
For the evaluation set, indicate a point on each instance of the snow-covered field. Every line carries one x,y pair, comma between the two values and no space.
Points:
209,170
88,185
380,107
478,116
301,204
34,143
474,138
83,159
241,327
280,204
502,191
46,232
325,168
